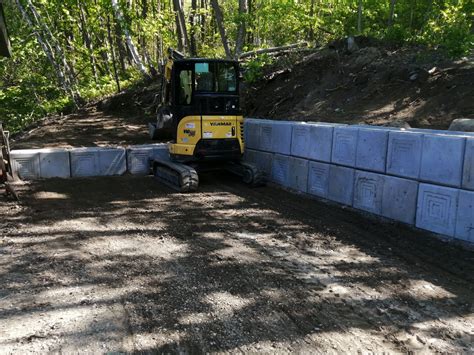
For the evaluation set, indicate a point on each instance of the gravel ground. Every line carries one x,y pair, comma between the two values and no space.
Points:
123,264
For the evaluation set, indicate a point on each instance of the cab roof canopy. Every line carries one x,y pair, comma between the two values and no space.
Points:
5,49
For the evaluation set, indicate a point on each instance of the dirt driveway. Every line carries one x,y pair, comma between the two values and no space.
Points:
122,264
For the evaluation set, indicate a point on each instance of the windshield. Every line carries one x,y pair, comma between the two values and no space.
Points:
215,77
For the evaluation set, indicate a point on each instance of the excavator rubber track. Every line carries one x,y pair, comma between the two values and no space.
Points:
250,174
180,177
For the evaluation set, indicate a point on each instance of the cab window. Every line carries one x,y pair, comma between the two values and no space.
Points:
215,77
185,87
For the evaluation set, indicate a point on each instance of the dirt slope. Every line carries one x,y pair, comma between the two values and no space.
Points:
122,265
374,85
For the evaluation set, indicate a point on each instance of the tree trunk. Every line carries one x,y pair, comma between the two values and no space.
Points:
180,26
87,40
359,17
43,43
239,43
392,12
63,79
112,51
220,25
192,22
128,38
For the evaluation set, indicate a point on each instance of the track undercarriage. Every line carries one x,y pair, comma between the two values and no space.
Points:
184,177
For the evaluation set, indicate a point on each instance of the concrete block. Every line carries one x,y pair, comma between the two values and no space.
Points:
138,160
465,216
252,134
26,164
372,149
112,161
462,125
368,191
468,171
281,170
404,154
85,162
399,199
265,141
341,184
281,137
299,174
300,140
442,132
55,163
263,161
344,146
320,142
442,159
160,151
318,179
436,209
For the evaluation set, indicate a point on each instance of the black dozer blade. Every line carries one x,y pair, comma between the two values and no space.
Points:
179,177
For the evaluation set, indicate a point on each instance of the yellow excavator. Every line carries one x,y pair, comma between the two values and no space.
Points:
200,112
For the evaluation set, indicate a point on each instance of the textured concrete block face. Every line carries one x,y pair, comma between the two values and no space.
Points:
263,161
281,137
300,140
399,199
252,134
320,142
112,162
436,209
26,164
442,159
265,137
138,160
404,154
281,169
468,171
341,184
344,146
318,179
55,163
372,149
250,156
299,174
160,152
85,162
368,191
465,216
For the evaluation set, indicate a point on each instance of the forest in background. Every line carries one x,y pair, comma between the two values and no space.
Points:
70,51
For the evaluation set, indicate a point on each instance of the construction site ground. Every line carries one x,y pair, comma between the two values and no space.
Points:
123,264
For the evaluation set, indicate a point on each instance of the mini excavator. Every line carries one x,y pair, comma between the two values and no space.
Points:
200,113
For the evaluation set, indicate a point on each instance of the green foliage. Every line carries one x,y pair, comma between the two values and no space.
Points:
254,68
30,88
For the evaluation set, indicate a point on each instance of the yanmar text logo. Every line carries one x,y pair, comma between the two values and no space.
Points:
221,123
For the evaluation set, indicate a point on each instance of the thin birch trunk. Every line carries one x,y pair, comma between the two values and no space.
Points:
128,38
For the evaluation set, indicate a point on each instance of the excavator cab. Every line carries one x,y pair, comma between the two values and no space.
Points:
200,112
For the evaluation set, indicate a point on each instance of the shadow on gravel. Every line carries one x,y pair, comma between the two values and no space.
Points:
232,280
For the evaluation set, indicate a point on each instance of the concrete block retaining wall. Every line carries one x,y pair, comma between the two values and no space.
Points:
424,178
31,164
